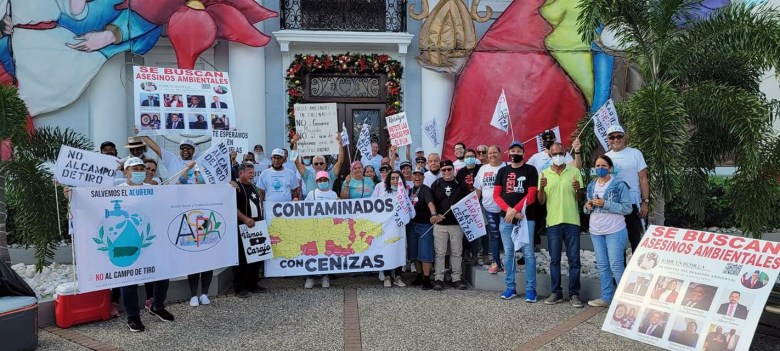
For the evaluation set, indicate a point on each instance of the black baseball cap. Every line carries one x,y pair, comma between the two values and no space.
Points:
420,159
406,164
447,163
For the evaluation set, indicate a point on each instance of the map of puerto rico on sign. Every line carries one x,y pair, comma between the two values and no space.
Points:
321,237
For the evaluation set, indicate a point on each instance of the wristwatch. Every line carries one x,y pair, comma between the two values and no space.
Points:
647,201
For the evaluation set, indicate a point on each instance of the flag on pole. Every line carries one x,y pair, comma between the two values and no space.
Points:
214,164
468,212
344,134
540,142
403,206
501,114
364,141
520,234
605,117
429,129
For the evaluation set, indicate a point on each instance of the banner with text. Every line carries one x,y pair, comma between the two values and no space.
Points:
688,289
177,101
605,117
234,140
500,118
468,212
257,243
398,128
338,236
132,235
214,164
364,141
317,125
429,129
78,167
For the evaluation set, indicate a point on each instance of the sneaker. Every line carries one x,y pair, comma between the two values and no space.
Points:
598,303
148,304
553,299
258,290
530,296
204,299
493,268
437,285
480,262
308,284
164,315
399,282
509,294
426,284
576,302
388,282
135,325
460,285
114,310
194,302
325,282
243,294
417,281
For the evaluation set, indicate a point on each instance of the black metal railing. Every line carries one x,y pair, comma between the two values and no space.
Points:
344,15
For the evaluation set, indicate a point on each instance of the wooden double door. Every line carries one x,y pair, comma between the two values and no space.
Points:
353,116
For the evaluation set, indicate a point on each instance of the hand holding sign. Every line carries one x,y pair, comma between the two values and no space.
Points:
542,182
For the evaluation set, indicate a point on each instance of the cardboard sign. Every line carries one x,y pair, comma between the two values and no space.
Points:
317,126
398,128
468,212
257,243
77,167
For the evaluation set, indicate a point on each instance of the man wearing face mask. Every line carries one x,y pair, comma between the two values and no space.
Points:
559,189
434,165
466,175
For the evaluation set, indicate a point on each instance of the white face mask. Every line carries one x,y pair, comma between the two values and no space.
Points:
557,160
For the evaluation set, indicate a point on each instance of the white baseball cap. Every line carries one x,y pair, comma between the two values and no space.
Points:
277,152
615,129
133,161
187,142
419,149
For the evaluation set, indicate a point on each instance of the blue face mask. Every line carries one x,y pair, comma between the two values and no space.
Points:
306,161
470,161
137,177
602,172
394,187
323,186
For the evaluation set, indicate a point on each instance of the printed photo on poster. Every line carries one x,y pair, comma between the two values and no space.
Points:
150,121
196,101
654,323
699,296
150,100
148,86
221,89
734,304
648,260
685,331
625,315
198,121
755,280
218,104
174,121
220,122
173,100
638,283
721,337
666,289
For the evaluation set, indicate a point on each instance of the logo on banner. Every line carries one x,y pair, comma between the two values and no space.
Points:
123,233
196,230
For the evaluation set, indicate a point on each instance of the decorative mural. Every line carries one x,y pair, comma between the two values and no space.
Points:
81,35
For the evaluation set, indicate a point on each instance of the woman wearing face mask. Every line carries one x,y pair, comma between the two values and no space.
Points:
356,185
608,201
394,182
323,192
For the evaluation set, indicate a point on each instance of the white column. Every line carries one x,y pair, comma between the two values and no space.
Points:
437,89
246,68
108,104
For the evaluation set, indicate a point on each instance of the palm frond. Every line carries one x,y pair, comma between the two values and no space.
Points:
46,142
13,115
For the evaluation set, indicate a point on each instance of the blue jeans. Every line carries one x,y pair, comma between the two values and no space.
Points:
609,251
509,256
557,236
494,235
419,247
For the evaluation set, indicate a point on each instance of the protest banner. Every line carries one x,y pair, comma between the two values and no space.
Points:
234,140
540,142
179,101
132,235
403,207
686,289
338,236
78,167
214,164
500,118
468,212
398,128
317,125
364,141
429,129
520,235
605,117
257,243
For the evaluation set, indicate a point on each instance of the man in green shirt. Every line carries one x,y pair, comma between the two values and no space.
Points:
559,189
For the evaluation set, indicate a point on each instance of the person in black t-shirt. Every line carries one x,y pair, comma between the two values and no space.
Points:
246,276
515,187
467,175
447,191
419,238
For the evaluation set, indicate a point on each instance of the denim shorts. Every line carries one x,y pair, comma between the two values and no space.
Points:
419,248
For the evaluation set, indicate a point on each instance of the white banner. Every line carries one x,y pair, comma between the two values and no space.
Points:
178,101
317,125
234,140
364,141
688,289
540,142
339,236
520,234
78,167
257,243
214,164
403,204
398,128
344,135
132,235
500,118
468,212
605,117
429,129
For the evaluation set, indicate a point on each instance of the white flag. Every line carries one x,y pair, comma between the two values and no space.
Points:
501,114
403,206
214,164
605,117
540,142
468,212
429,129
344,134
364,141
520,234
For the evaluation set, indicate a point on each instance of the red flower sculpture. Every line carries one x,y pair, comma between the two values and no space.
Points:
194,25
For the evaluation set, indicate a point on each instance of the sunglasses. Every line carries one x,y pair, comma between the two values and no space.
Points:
481,152
318,163
186,148
613,137
550,139
559,154
446,169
